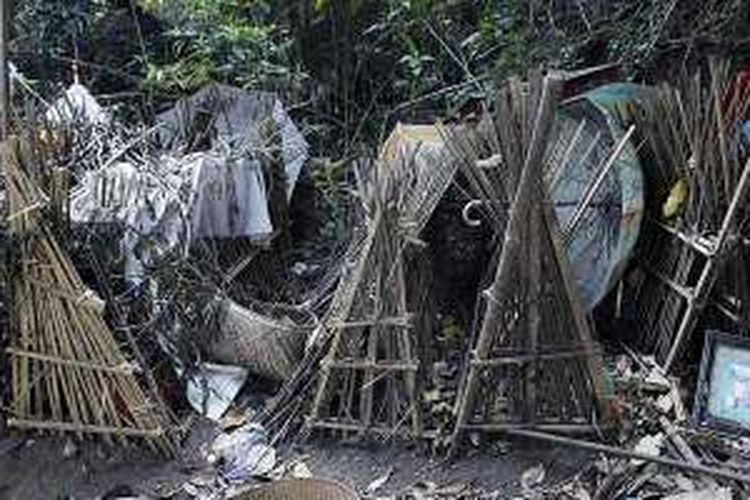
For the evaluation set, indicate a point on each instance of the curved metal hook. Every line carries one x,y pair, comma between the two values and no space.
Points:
466,216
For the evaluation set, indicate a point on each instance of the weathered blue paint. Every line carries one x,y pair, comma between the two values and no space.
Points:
601,247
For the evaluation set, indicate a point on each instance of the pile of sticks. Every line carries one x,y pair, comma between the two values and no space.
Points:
700,176
69,372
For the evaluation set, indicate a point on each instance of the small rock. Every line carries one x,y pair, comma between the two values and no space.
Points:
301,471
474,438
70,449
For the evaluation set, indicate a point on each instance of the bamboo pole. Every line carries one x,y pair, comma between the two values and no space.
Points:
623,453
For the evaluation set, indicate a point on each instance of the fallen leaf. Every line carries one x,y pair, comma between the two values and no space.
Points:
683,483
648,445
474,438
300,470
379,482
533,477
432,396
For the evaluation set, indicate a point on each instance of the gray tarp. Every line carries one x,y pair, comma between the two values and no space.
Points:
243,122
217,193
177,201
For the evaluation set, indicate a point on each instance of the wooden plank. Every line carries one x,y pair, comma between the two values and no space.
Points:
623,453
402,322
359,428
563,428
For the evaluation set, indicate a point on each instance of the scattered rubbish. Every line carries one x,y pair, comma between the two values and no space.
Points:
665,403
211,389
684,265
621,208
243,453
531,313
597,188
172,202
399,191
100,391
707,494
649,445
243,121
77,107
301,471
722,398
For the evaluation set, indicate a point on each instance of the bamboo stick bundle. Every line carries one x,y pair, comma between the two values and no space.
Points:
69,373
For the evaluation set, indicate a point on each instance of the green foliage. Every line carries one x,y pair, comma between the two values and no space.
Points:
45,33
232,41
48,28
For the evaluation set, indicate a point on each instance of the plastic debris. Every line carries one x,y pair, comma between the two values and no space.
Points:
212,389
77,106
243,453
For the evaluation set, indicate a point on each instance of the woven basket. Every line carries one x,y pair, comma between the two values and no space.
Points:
300,489
264,345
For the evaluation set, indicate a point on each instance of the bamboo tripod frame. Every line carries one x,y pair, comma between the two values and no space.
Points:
368,379
550,373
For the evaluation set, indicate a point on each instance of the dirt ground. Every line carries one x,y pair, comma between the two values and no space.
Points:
41,468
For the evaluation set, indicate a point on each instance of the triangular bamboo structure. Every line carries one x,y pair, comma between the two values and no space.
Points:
533,361
368,378
69,374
